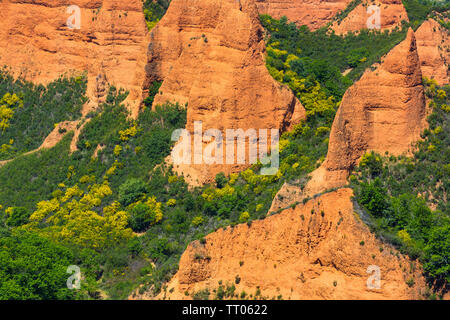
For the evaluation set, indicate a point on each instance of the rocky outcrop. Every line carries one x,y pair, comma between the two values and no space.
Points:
286,196
210,55
384,111
313,13
111,44
433,44
320,250
391,14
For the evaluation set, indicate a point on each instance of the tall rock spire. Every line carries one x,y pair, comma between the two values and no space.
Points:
384,111
211,55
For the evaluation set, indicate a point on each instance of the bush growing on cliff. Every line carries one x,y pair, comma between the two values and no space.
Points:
152,92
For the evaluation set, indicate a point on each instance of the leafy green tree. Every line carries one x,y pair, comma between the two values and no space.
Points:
373,197
131,190
356,55
221,180
32,267
140,217
437,253
17,216
143,215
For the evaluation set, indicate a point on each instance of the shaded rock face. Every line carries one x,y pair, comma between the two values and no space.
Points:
313,13
384,111
391,14
211,56
433,44
111,43
320,250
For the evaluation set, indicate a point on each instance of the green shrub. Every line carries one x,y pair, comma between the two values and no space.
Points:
17,216
131,191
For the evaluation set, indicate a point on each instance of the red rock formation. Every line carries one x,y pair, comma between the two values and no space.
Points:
210,54
384,111
320,250
313,13
433,44
111,44
392,13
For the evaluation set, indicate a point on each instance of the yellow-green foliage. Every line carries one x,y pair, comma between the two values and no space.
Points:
210,194
5,147
151,24
366,158
155,206
74,218
155,209
233,178
8,103
198,220
283,143
171,202
404,236
244,216
315,101
87,179
151,20
127,133
313,98
113,169
254,179
441,94
70,172
321,131
117,150
431,148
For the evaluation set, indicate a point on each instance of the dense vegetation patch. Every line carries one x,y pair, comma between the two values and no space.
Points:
419,10
28,112
27,259
154,10
299,55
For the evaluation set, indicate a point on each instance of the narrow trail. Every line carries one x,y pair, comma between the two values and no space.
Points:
54,137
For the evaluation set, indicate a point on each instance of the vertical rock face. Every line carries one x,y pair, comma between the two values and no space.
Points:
211,55
383,111
313,13
320,250
391,14
111,44
433,44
